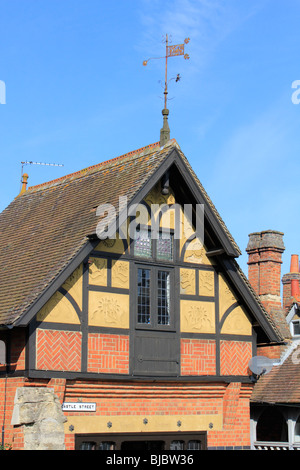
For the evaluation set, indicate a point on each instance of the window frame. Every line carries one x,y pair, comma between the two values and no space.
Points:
167,437
154,258
153,324
292,327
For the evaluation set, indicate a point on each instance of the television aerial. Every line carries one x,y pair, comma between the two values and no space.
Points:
35,163
259,365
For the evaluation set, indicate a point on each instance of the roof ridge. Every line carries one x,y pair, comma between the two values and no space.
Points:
97,165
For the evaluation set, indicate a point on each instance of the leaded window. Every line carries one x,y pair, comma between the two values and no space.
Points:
154,296
157,246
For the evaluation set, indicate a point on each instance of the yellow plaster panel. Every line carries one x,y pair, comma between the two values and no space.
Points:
227,297
111,245
108,310
196,253
120,274
58,309
73,285
187,281
156,197
197,316
168,219
156,423
206,283
160,203
98,271
237,323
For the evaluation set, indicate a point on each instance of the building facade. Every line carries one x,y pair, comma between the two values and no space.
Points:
133,342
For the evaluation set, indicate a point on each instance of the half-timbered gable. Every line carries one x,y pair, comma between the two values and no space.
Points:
154,324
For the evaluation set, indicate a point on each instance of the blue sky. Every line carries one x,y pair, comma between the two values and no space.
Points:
77,94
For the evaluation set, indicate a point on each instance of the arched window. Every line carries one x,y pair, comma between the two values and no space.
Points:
272,426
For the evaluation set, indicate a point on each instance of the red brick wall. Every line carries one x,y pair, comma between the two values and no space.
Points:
61,350
58,350
264,266
70,441
7,396
270,272
198,357
264,274
272,352
235,356
236,419
108,353
185,399
16,342
146,399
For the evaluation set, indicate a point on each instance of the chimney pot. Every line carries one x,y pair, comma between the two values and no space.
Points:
291,286
294,264
24,183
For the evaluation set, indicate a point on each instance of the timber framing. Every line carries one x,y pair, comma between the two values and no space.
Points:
188,190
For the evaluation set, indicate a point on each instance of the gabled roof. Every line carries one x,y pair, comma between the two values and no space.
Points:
43,229
48,230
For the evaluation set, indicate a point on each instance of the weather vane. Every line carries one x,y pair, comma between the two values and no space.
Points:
171,51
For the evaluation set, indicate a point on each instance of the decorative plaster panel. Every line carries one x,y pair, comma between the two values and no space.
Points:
98,271
206,283
187,281
108,310
197,317
120,274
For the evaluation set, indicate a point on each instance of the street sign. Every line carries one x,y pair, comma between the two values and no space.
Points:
78,406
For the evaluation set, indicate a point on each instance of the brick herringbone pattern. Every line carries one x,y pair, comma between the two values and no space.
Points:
235,356
58,350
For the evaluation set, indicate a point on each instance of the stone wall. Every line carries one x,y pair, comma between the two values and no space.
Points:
38,411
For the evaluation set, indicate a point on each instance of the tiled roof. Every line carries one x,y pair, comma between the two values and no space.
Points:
44,228
282,384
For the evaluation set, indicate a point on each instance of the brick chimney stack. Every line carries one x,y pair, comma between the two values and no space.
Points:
290,281
264,266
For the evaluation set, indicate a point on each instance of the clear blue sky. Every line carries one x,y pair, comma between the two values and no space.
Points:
77,94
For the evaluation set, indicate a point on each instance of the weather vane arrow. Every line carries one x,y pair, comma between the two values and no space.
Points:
171,51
